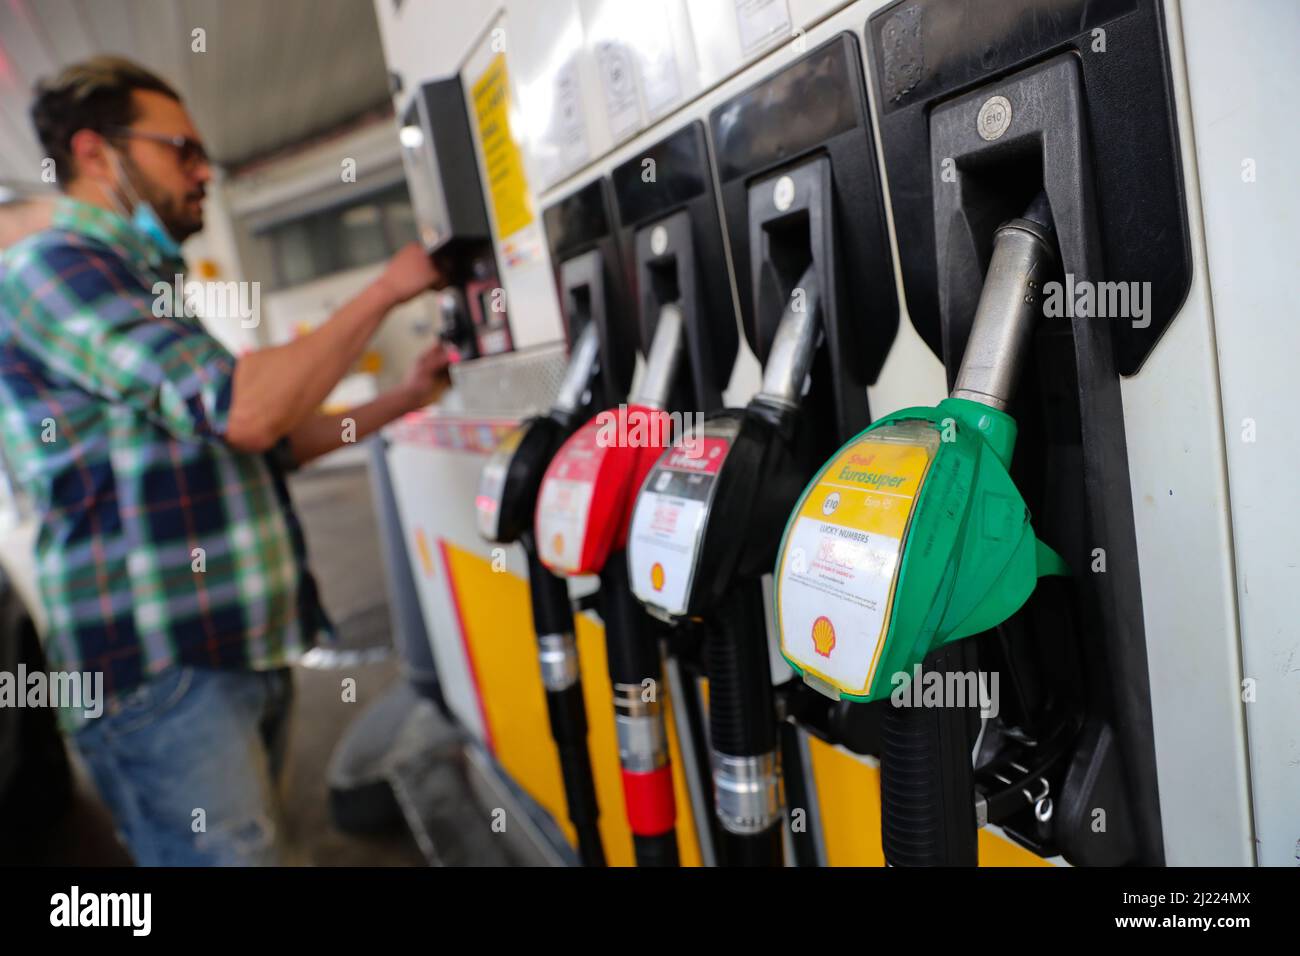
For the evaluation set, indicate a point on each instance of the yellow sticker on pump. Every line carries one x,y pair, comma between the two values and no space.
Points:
839,566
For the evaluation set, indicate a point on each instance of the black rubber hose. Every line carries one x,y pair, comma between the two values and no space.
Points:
742,706
551,606
569,728
658,850
927,792
632,647
630,632
553,614
753,850
802,839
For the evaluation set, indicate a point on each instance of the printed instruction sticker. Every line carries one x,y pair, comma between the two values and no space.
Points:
657,62
618,83
567,131
840,561
507,186
668,522
761,22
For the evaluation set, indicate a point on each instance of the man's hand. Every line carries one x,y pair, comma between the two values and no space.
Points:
410,272
277,389
323,432
427,379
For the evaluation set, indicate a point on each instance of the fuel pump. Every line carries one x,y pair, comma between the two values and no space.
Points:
1015,176
590,283
447,198
806,226
584,506
504,504
914,535
580,522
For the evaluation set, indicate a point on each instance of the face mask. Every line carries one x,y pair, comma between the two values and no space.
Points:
148,224
144,219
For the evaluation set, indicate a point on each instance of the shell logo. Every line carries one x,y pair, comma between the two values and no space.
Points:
823,636
657,576
557,544
422,547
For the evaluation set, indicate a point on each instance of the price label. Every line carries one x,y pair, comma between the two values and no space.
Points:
839,562
669,521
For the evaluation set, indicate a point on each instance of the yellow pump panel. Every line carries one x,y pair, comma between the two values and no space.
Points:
496,619
848,792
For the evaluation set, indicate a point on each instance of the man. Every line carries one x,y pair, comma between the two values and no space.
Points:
169,557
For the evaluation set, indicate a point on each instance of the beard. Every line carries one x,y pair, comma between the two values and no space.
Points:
180,214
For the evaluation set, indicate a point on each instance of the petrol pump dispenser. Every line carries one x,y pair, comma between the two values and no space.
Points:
671,228
806,225
504,504
580,522
981,110
447,198
672,233
591,286
914,535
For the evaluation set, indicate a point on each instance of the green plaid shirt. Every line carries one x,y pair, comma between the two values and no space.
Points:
159,543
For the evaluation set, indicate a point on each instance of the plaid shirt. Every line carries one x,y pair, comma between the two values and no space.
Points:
113,420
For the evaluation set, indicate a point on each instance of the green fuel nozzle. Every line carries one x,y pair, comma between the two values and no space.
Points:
914,534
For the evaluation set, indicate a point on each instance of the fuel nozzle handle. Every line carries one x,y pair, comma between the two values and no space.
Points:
794,345
663,359
584,362
1024,257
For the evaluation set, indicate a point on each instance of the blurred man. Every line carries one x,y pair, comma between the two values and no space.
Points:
169,556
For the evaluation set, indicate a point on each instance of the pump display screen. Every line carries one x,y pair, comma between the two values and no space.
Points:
671,515
839,560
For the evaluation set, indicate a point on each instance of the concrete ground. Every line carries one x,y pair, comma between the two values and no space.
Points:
343,542
335,507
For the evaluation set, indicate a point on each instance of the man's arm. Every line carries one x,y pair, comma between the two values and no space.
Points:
276,390
323,432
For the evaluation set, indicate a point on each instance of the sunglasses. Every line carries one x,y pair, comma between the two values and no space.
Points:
190,151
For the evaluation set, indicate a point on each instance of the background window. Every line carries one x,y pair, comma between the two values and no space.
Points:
345,236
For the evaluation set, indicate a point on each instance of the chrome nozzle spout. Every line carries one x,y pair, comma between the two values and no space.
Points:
794,345
1024,257
584,359
663,360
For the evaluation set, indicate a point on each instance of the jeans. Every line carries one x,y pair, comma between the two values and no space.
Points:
187,764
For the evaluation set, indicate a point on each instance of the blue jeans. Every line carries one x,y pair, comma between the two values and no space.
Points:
187,764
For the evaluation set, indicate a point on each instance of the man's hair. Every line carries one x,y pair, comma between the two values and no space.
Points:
94,94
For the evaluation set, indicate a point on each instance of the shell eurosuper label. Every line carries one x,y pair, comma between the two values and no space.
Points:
839,565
